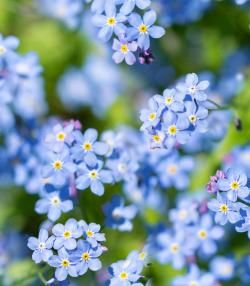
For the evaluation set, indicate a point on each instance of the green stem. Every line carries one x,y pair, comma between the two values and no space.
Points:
218,106
41,277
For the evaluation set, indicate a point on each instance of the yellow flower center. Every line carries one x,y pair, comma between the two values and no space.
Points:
182,214
85,256
90,233
67,234
60,136
143,28
124,48
87,146
193,283
93,174
124,275
202,234
193,118
174,247
41,246
192,89
156,138
2,50
57,165
111,21
172,169
65,263
142,255
172,130
168,100
55,201
152,116
224,208
235,185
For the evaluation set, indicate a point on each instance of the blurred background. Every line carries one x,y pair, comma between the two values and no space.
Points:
81,81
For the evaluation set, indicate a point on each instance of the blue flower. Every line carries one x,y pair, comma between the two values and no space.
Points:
234,184
53,205
223,268
91,233
207,234
63,264
195,277
126,272
86,144
59,136
59,168
41,246
171,99
176,129
117,215
66,235
245,224
110,22
124,51
193,87
225,210
92,175
143,29
7,47
129,5
150,117
85,257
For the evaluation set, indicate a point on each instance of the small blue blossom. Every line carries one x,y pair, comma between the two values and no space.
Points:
85,257
245,224
225,210
110,22
223,268
195,277
193,87
129,5
41,246
117,215
92,174
150,117
87,144
143,29
234,185
66,235
124,51
91,233
53,205
63,264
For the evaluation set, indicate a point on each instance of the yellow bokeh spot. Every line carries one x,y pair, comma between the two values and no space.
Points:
224,208
234,185
60,136
57,165
142,255
124,48
85,256
172,130
111,21
65,263
193,283
67,234
143,28
124,275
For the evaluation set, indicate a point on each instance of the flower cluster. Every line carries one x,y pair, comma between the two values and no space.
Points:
21,85
174,116
191,237
128,272
72,248
232,199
